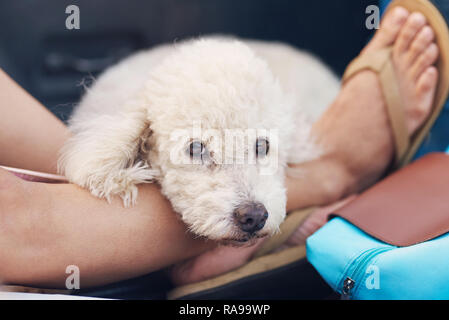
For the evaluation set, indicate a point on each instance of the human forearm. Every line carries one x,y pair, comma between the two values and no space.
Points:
61,225
30,136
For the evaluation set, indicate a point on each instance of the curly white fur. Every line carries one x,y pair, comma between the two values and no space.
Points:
123,129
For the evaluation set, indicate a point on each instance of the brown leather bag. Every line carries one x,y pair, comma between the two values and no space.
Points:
408,207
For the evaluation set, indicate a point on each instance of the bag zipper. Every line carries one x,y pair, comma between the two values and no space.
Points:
357,270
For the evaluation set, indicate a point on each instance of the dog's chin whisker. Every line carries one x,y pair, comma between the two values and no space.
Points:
236,243
242,241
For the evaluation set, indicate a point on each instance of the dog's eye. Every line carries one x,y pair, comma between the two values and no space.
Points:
262,147
196,149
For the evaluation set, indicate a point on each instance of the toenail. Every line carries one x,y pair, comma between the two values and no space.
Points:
400,13
433,46
428,32
417,18
434,49
431,70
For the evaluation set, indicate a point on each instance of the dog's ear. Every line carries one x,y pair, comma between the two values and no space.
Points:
108,154
144,143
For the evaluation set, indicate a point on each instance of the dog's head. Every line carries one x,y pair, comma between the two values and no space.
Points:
220,132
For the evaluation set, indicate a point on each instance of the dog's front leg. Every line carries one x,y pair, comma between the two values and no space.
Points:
105,155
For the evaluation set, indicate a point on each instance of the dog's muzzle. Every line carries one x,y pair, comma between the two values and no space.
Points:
251,217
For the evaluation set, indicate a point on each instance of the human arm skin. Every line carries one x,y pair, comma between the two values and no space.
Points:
30,136
46,227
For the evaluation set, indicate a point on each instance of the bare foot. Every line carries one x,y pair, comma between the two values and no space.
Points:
414,56
212,263
357,130
315,221
366,148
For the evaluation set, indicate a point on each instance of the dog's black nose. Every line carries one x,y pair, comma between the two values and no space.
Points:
251,217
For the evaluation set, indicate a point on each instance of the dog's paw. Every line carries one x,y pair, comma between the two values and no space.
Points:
123,183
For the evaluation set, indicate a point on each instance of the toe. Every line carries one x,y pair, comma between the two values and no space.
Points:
415,22
420,43
389,28
426,87
427,80
424,60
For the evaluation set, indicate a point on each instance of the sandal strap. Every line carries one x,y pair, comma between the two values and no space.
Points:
290,224
380,62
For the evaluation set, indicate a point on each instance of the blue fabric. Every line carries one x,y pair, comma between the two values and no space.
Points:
383,5
381,271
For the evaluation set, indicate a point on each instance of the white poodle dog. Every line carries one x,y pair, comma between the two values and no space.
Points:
214,121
